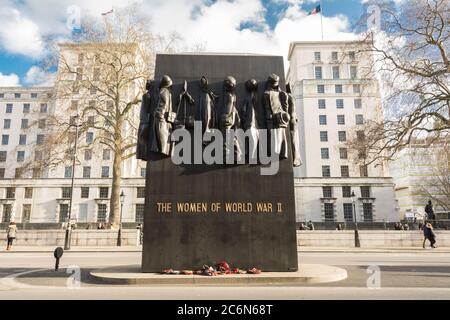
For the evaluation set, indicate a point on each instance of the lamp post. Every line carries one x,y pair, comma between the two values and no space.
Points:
68,237
119,235
357,243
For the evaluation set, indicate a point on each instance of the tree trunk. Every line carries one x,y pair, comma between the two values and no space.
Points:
114,215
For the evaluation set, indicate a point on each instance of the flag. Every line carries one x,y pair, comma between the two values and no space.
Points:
109,12
316,10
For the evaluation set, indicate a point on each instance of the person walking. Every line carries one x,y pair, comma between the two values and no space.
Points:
11,233
428,234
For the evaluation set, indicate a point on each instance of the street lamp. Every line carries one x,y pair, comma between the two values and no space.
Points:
119,235
357,243
68,237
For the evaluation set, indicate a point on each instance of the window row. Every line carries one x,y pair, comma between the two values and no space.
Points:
335,72
18,95
349,212
359,119
322,103
42,124
101,215
338,88
335,56
328,191
342,136
26,107
345,172
325,153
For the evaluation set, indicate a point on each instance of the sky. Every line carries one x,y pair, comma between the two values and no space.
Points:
250,26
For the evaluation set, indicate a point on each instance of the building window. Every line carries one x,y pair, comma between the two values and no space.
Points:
342,135
68,172
318,72
106,154
43,108
363,171
79,74
17,95
143,172
326,171
103,192
358,103
325,153
359,119
20,156
9,108
93,90
141,192
24,124
5,139
91,121
343,154
87,154
360,135
101,212
7,210
37,173
324,136
336,73
353,72
2,95
34,96
40,139
63,212
348,212
26,213
38,155
7,124
18,173
356,88
322,120
320,88
10,193
75,88
26,108
368,212
96,76
66,192
340,103
338,88
345,172
3,155
2,173
329,212
341,119
74,105
92,104
365,192
105,172
84,192
322,103
327,192
140,213
346,192
22,139
42,124
80,58
352,55
28,193
334,56
86,172
317,56
89,137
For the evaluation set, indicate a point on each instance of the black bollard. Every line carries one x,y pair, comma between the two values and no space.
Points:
58,254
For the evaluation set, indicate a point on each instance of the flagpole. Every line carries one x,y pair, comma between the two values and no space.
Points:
321,18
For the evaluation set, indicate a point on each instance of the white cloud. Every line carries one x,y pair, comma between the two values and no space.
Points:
19,34
36,76
9,80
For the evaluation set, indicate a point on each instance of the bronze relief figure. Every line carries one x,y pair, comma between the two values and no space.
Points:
164,118
207,106
293,128
145,131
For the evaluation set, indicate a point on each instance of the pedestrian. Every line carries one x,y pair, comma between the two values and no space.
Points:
11,232
339,227
428,234
310,225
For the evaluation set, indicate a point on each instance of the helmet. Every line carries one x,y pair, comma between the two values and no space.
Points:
251,85
274,80
230,82
166,82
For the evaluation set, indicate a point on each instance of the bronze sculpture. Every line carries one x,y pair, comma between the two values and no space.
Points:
145,131
164,118
277,117
207,106
293,128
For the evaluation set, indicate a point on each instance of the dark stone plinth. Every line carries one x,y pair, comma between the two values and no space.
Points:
245,240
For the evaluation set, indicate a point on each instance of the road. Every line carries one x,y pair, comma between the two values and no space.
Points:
418,275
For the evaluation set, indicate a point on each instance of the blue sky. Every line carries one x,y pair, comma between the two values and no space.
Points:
260,26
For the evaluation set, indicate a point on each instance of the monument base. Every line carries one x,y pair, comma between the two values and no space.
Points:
307,273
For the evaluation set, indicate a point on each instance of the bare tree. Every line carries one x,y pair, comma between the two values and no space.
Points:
412,63
99,85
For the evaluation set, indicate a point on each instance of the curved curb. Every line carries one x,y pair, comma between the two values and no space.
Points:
308,273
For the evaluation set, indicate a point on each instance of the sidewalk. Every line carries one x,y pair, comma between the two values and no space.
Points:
36,249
